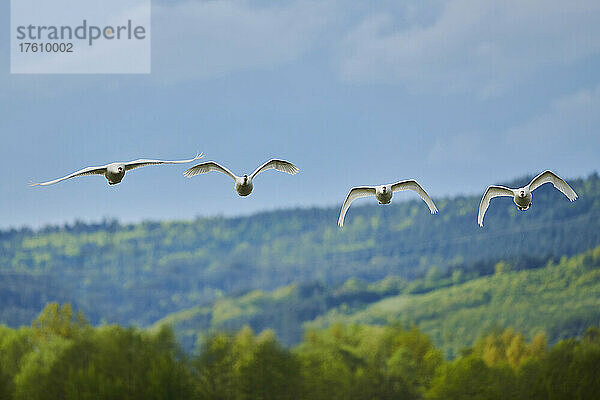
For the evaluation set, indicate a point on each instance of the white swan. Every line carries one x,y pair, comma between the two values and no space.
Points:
243,184
115,172
384,193
522,196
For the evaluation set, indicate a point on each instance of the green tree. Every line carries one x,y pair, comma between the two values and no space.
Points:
15,345
57,320
571,370
509,347
214,369
271,372
6,385
246,366
35,379
502,267
471,378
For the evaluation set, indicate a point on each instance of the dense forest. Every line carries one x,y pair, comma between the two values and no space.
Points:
561,298
61,356
140,273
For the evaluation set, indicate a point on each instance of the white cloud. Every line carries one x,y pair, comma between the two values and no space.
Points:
211,38
472,45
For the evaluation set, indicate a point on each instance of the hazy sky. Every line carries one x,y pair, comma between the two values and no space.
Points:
457,94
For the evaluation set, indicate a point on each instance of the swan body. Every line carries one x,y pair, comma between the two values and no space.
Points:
384,194
243,185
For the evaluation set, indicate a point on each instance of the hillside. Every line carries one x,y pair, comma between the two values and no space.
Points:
284,310
560,299
139,273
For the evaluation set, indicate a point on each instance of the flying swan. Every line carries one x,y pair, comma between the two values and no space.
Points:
115,172
522,196
384,195
243,184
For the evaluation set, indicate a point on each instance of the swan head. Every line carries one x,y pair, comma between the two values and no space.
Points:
245,179
384,189
522,193
116,168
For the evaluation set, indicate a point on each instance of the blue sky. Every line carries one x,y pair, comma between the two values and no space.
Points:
457,94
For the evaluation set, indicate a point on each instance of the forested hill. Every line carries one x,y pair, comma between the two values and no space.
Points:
138,273
560,299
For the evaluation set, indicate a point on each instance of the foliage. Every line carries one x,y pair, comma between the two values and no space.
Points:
244,366
358,362
568,370
78,361
62,357
560,298
509,347
284,310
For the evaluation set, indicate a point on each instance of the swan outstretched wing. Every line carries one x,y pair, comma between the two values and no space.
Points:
414,185
82,172
490,193
207,167
355,193
143,162
560,184
279,165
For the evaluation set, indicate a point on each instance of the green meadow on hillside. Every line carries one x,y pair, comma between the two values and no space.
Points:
559,299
